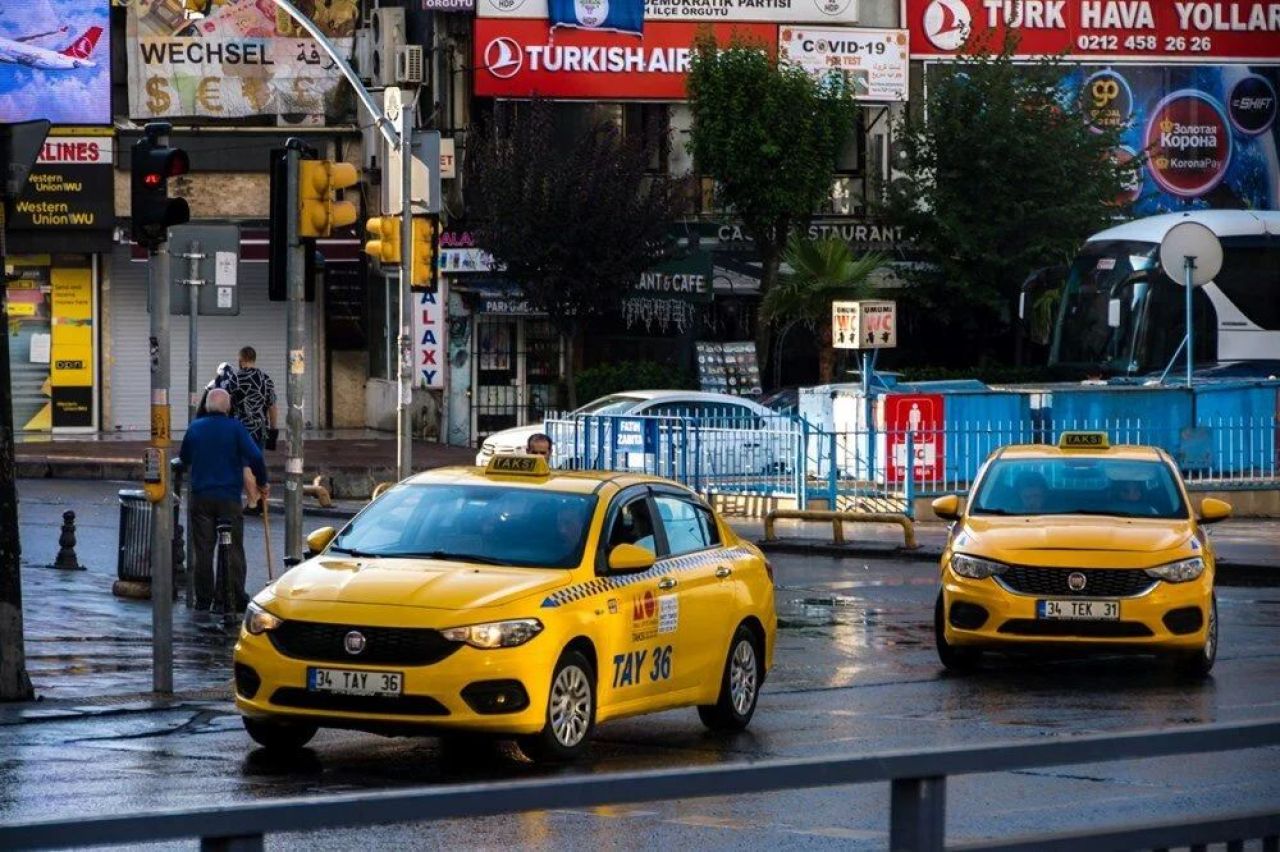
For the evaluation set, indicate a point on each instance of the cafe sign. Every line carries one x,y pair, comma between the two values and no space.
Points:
685,278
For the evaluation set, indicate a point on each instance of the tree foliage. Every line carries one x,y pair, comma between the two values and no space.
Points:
573,224
1003,176
822,271
770,135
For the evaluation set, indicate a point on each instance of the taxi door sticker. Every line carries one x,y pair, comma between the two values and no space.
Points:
652,615
644,666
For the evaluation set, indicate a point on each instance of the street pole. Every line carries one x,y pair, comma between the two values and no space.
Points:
162,509
1188,269
296,334
404,409
193,281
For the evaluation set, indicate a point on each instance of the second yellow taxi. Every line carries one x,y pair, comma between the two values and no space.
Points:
1081,544
511,600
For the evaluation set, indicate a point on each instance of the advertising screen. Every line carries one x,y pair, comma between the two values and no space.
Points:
55,61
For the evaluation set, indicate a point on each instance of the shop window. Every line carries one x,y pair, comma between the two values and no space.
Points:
651,124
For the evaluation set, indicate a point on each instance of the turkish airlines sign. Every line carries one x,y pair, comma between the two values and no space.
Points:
1111,30
706,11
519,59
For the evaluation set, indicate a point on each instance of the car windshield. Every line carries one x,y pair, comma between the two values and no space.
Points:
615,404
1065,485
487,524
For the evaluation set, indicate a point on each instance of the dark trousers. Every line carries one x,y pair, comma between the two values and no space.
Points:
203,518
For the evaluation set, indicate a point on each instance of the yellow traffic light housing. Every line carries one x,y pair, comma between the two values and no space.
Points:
318,212
424,253
385,247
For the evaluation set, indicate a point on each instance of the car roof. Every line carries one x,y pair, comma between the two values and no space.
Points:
1131,452
565,481
1224,223
690,395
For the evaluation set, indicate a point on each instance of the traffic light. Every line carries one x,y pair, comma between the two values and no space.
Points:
385,247
154,162
424,253
318,212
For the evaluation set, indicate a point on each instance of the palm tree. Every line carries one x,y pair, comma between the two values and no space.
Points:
822,271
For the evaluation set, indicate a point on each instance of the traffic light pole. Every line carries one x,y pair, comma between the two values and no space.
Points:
404,407
162,509
295,337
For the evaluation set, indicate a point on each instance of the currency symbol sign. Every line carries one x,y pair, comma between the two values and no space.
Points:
159,99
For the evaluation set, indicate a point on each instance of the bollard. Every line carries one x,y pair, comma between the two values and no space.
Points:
66,558
223,570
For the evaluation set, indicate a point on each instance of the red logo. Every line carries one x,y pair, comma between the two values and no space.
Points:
947,24
504,58
643,607
1188,143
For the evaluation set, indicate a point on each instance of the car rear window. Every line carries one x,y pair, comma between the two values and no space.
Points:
486,524
1068,485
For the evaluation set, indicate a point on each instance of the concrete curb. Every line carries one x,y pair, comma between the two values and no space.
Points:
1230,573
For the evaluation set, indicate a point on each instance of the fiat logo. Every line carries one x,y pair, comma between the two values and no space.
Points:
1077,581
353,642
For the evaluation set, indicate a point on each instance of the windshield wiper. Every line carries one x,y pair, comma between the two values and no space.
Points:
982,510
444,555
359,554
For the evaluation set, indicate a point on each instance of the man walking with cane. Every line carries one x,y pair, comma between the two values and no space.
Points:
217,448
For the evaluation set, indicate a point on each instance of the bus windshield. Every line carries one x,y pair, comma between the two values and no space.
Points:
1102,304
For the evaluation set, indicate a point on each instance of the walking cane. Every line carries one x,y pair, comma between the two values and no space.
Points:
266,531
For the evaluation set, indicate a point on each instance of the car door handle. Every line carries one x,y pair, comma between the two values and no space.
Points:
667,583
723,571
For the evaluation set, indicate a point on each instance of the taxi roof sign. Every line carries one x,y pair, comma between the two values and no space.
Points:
1083,441
516,465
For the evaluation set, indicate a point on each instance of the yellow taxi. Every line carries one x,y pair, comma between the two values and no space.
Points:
1080,544
511,600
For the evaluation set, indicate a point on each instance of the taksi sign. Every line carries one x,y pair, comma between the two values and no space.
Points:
704,11
874,62
1171,30
519,58
869,324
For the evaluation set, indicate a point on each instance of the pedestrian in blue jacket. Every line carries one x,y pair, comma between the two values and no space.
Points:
217,448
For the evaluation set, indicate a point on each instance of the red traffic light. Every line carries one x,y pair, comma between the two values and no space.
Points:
152,179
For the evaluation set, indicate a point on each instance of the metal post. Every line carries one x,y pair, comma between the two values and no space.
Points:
869,415
1189,265
162,510
910,490
296,335
193,281
917,814
404,407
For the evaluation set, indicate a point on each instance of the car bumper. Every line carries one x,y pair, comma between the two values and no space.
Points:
1168,617
432,699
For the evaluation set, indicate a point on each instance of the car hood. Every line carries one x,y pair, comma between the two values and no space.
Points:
517,437
994,536
414,582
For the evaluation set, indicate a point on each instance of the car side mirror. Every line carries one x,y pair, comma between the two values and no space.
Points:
630,559
319,539
947,508
1213,510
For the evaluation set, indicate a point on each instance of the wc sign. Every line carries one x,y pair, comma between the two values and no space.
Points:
915,419
869,324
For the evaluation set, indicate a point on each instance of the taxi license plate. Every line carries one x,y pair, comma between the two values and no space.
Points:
348,682
1079,610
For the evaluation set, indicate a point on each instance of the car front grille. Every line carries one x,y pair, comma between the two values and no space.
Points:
1076,629
398,646
1099,582
397,705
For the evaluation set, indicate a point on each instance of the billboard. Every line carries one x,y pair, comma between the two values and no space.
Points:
874,61
520,59
1208,133
1191,31
71,186
706,11
55,61
244,58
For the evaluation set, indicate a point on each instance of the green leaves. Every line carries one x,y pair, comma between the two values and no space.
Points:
822,271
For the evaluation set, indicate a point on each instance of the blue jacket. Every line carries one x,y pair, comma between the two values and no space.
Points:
217,448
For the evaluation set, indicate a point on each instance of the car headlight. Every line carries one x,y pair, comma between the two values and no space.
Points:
258,621
975,568
497,634
1182,571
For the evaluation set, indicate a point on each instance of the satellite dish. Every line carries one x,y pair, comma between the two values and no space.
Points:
1191,240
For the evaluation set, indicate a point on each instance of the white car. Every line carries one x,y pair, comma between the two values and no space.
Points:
737,435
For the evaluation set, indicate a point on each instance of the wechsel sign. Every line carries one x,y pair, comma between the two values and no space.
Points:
707,11
874,62
869,324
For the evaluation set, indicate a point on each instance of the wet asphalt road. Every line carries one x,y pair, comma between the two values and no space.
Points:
855,674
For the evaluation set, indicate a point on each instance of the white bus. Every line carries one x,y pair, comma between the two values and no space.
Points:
1120,315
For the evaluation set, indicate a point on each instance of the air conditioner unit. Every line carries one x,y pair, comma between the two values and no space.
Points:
388,38
410,68
362,55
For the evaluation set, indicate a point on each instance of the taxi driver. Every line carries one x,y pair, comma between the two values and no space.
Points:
1032,490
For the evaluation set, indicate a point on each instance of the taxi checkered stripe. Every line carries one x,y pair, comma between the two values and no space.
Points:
671,565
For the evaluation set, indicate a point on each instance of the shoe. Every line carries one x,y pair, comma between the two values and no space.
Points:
252,511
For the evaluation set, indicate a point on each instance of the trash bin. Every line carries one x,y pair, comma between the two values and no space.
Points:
133,556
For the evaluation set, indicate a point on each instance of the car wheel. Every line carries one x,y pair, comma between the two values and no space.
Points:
952,658
1197,664
278,735
571,713
739,685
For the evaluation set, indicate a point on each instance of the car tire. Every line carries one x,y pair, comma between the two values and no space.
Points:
570,715
960,660
278,735
739,685
1196,665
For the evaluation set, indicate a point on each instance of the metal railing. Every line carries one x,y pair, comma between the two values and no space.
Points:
917,812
